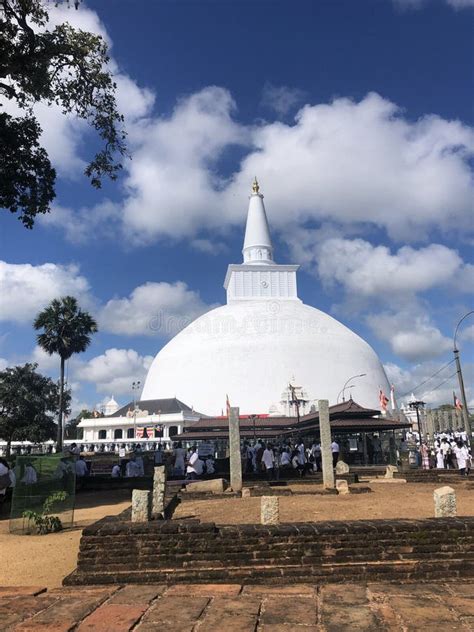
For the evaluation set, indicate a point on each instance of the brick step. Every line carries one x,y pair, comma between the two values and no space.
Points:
153,562
204,539
401,571
198,548
333,551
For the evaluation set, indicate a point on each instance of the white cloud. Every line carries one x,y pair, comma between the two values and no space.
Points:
3,363
373,271
281,99
85,223
209,246
26,289
418,4
153,309
173,186
347,162
114,370
410,333
434,390
46,363
467,334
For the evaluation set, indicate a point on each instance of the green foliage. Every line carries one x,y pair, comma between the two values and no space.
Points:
66,327
71,430
65,66
27,177
44,521
29,402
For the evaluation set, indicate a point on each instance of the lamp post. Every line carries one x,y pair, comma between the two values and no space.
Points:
340,392
135,389
349,380
465,411
416,406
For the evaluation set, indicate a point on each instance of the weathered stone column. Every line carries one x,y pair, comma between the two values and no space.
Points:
140,505
158,496
342,487
270,510
326,453
234,449
445,502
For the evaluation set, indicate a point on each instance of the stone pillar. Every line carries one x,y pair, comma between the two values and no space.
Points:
234,449
342,467
342,487
140,505
270,510
158,496
390,470
445,502
326,453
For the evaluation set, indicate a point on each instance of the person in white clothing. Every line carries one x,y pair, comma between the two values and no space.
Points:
268,460
131,471
179,453
462,457
30,477
199,467
335,453
316,454
5,478
191,472
439,459
285,458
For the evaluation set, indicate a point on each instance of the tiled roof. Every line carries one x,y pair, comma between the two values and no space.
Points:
155,407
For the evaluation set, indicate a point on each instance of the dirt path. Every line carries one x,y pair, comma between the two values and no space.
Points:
45,559
387,500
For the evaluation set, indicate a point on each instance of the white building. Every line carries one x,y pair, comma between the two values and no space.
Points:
150,421
250,348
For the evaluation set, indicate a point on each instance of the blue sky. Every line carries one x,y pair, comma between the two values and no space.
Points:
357,119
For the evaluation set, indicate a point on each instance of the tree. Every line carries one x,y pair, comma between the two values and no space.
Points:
71,430
67,330
64,66
29,403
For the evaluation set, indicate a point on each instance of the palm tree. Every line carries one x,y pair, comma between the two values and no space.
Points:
67,330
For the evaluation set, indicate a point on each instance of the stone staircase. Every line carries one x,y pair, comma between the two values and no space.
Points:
114,551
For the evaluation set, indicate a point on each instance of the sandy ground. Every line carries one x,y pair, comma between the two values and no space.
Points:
43,560
387,500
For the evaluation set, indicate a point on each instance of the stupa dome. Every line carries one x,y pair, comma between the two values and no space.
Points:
263,339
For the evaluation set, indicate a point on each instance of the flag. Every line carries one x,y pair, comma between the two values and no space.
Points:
139,433
393,402
150,432
457,403
383,399
227,404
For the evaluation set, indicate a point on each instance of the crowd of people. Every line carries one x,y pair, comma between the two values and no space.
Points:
447,450
182,462
273,459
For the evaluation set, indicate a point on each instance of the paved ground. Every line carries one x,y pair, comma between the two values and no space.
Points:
233,608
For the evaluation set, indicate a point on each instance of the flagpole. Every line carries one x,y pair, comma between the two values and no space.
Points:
465,410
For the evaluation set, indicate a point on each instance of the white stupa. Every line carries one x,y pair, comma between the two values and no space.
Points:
111,406
264,337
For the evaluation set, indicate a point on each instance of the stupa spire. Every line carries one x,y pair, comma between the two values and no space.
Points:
257,243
